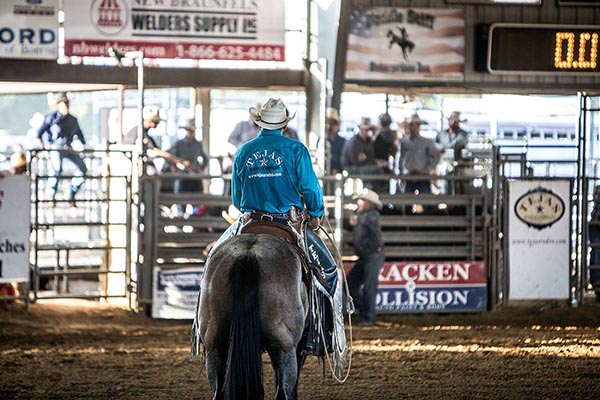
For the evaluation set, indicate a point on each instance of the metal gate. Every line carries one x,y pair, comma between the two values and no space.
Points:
82,250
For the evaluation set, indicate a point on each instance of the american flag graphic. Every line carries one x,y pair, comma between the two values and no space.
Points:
390,43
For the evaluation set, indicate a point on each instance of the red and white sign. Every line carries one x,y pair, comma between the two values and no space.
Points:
236,30
431,286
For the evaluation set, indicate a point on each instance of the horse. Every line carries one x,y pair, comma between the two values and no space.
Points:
252,298
401,40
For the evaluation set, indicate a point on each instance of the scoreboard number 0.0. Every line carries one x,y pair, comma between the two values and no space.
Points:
542,49
564,50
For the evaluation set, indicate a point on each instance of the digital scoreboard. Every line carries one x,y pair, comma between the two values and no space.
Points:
543,49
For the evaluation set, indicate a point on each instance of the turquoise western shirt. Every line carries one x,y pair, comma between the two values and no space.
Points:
272,173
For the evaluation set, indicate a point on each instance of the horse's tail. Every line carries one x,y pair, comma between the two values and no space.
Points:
243,377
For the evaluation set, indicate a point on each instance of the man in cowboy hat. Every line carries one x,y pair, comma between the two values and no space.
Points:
273,176
454,137
151,119
57,133
190,157
368,245
419,156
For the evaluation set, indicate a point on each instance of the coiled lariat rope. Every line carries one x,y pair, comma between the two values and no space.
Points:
349,301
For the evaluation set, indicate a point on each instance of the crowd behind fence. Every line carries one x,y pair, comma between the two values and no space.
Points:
119,229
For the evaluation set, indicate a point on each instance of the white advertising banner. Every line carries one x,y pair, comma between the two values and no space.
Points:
29,29
222,30
175,292
539,239
14,228
390,43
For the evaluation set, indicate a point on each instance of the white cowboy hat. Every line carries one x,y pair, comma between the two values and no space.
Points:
271,115
369,195
190,125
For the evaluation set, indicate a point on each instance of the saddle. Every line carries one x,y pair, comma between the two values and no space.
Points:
271,228
288,234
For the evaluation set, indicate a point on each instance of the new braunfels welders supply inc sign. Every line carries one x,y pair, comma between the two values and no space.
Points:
14,228
29,29
193,29
390,43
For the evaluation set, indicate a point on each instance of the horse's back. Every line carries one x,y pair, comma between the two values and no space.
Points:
280,292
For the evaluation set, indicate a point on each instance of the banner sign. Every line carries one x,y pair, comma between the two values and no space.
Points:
434,286
175,292
390,43
14,228
223,30
539,239
29,29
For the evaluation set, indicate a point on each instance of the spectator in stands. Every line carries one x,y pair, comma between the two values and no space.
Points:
420,156
151,119
152,150
454,137
594,238
244,131
385,150
368,246
193,159
384,144
57,133
358,155
335,141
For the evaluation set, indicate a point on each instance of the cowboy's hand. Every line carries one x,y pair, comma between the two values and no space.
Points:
313,223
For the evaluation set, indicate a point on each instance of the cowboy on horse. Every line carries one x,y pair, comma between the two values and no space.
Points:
272,182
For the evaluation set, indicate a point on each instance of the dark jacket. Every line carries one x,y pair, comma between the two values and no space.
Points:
367,233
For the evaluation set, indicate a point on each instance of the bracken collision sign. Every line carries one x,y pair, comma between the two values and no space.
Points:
208,29
432,287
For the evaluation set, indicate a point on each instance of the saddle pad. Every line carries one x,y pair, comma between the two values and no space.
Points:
271,228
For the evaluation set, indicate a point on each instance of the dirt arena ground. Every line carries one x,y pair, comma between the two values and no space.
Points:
86,350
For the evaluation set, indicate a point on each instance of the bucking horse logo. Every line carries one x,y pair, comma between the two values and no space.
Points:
401,40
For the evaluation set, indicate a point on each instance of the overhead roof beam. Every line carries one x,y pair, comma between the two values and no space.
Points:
51,72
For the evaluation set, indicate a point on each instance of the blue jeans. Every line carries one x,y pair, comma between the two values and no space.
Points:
362,282
56,159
